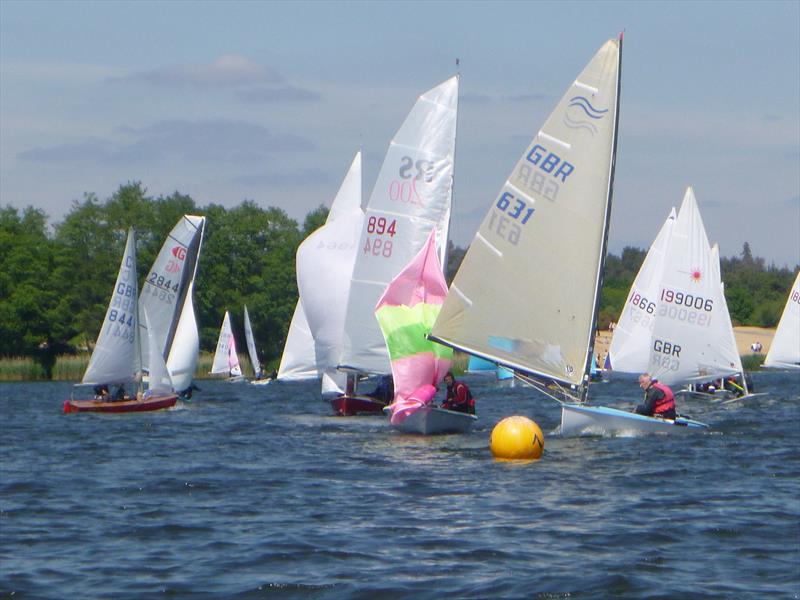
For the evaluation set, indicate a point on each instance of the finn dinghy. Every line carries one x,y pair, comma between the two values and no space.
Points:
117,357
406,312
784,351
412,195
532,275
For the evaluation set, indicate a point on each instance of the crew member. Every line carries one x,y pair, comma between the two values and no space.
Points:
659,401
458,398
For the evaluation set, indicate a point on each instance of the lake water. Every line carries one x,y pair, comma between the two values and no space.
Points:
257,492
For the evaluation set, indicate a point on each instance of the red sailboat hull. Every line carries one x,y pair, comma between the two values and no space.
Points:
349,406
146,404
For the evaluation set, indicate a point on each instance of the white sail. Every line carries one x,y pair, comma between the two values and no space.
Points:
325,262
226,360
412,194
687,343
251,343
299,361
728,349
159,381
167,283
116,355
185,351
629,351
784,352
526,294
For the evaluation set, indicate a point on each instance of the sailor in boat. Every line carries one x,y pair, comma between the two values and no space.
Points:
458,398
101,393
659,401
384,392
120,395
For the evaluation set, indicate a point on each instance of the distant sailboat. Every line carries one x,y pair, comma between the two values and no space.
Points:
117,358
299,359
406,312
167,297
258,376
226,358
784,351
532,275
412,195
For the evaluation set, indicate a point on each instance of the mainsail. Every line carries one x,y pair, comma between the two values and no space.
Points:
689,330
405,313
412,195
226,359
784,352
251,343
527,292
116,357
325,262
164,296
629,351
185,350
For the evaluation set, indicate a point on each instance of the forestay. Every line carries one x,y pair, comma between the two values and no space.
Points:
629,351
167,284
689,329
412,195
116,355
325,262
784,352
526,294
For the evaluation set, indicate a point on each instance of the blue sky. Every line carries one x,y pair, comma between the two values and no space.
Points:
269,101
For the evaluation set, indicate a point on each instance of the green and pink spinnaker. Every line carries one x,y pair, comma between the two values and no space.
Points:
406,313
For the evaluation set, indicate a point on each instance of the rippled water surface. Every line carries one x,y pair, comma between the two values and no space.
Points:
251,492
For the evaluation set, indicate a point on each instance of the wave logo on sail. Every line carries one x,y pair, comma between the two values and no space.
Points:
579,111
179,252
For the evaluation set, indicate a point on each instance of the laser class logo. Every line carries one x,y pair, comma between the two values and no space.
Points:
696,275
580,111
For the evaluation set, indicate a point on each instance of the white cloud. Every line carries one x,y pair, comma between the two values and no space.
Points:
229,70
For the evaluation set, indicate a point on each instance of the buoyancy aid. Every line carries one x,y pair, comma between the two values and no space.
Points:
667,402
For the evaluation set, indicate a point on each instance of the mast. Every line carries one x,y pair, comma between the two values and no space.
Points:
139,377
584,390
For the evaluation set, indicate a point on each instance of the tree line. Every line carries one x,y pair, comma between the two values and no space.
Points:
55,282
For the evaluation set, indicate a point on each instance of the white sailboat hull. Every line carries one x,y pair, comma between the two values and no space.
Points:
431,420
601,420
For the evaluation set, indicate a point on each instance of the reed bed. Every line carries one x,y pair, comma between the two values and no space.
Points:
21,368
70,367
206,359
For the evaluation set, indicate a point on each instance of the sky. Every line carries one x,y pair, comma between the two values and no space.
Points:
269,101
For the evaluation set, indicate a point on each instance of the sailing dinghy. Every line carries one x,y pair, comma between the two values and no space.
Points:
784,351
117,358
405,313
226,359
166,296
412,196
532,275
259,378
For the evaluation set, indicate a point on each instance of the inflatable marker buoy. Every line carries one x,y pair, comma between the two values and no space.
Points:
517,438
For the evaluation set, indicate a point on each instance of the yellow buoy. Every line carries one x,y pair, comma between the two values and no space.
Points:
517,437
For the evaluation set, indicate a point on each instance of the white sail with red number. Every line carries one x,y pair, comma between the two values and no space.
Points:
166,295
412,195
